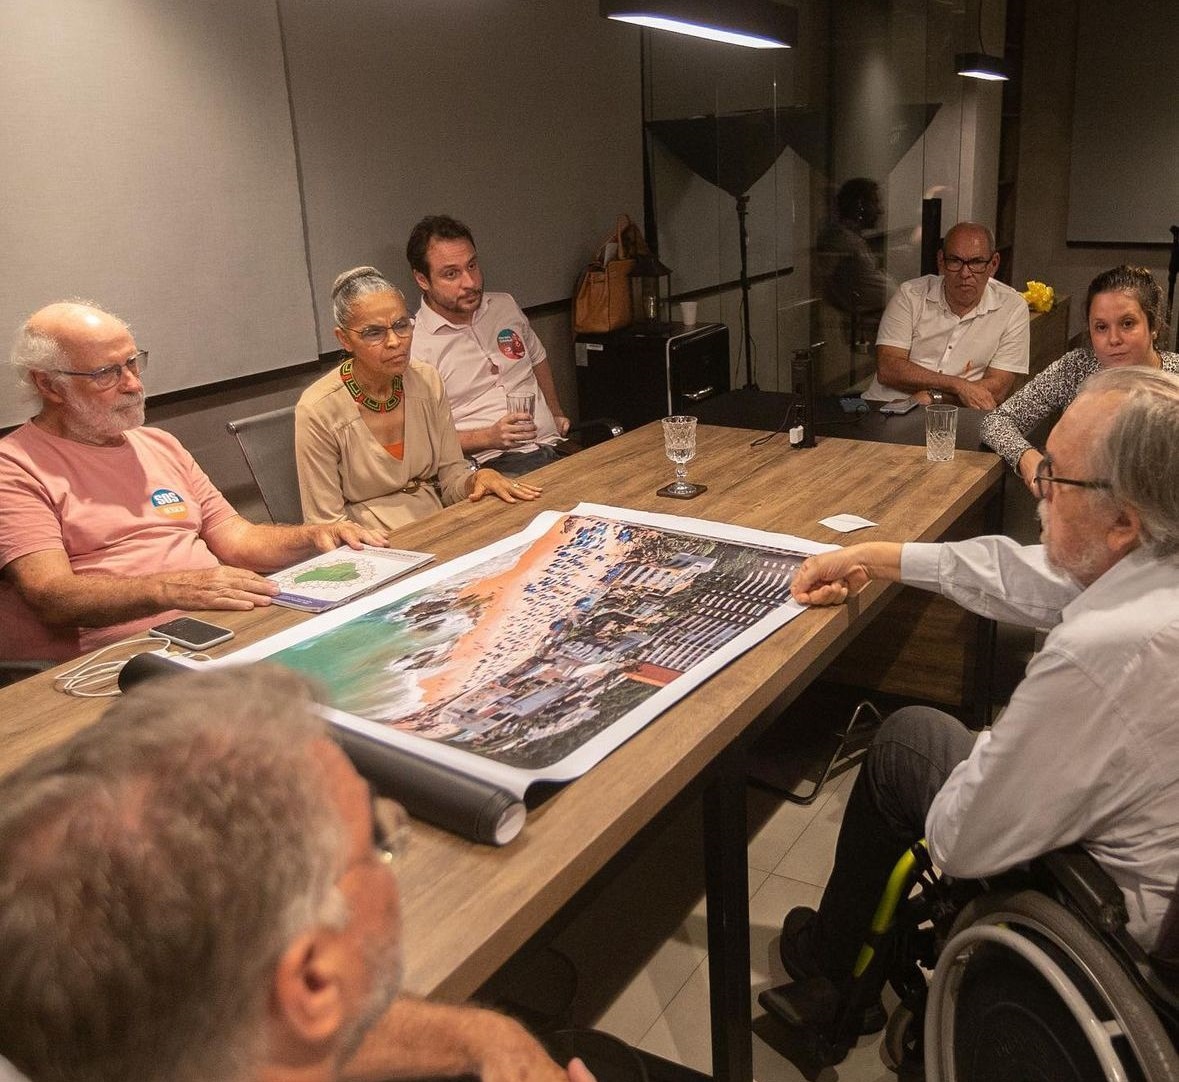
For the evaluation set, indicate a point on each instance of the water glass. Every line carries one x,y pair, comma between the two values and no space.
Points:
941,432
522,403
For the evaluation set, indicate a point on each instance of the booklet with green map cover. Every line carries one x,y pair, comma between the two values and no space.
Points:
336,577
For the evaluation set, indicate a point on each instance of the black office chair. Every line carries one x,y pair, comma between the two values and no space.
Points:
1034,977
267,441
586,433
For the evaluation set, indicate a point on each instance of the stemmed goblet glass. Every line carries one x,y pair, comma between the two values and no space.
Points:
679,441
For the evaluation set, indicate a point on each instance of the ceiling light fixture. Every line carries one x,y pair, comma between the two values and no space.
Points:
755,24
982,66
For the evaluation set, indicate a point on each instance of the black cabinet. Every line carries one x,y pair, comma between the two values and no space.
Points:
638,375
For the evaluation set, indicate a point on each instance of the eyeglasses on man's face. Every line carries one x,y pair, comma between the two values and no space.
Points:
1045,479
375,334
955,263
109,376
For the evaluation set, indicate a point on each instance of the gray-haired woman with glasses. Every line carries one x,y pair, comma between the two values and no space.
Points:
373,435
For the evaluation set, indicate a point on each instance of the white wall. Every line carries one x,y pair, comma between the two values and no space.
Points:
148,164
155,162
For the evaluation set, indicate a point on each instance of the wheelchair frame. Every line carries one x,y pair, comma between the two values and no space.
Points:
1064,919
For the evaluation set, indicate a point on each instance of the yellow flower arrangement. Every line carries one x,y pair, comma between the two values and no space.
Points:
1040,297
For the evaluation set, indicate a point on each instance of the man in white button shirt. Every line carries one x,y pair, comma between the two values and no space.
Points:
957,336
485,350
1087,749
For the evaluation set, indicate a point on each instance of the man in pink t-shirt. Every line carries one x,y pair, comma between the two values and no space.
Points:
105,524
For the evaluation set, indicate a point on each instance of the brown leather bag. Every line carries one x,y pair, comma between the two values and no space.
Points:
602,300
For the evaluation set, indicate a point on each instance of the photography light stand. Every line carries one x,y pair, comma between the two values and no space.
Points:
1172,274
743,235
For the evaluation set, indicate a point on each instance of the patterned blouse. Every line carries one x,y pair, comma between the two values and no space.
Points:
1049,392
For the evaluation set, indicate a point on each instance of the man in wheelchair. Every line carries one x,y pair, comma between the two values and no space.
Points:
1087,750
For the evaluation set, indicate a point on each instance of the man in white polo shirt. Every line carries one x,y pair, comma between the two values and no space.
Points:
957,336
485,350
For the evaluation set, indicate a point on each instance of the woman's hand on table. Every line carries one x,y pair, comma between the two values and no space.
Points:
491,482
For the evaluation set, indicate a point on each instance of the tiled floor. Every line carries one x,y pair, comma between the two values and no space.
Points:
640,948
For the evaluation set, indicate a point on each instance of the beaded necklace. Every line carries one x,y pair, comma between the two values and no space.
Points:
361,396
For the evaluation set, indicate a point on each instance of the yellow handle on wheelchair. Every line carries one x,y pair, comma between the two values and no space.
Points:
900,881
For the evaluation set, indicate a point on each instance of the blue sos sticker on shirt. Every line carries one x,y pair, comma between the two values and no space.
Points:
168,504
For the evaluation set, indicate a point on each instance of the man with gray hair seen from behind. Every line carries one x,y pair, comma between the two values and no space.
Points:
1087,749
199,888
956,336
106,524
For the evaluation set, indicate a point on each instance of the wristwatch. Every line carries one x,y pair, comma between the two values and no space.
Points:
936,396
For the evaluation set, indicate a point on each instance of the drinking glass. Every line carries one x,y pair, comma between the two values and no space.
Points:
941,431
522,403
679,441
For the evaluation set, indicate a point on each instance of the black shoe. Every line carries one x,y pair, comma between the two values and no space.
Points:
797,947
813,1003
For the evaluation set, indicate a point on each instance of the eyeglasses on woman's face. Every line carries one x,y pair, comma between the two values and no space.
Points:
376,334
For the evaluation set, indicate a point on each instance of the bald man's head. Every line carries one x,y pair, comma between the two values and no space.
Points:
59,351
77,327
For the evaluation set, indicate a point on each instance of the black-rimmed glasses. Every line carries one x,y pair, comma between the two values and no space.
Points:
1045,478
109,376
955,263
375,335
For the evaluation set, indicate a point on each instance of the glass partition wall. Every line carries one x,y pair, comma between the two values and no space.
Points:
821,155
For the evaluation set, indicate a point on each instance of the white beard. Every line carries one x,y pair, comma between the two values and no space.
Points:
1085,565
95,423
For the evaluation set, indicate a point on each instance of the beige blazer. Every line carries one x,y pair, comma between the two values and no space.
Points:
344,473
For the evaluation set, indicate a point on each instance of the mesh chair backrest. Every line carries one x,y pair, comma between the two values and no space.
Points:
268,442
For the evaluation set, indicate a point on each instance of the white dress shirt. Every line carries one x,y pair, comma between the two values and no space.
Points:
993,334
1088,748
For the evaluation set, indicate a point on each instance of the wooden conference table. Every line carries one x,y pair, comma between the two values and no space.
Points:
468,907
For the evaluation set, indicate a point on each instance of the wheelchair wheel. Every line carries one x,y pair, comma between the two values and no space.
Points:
900,1045
1025,991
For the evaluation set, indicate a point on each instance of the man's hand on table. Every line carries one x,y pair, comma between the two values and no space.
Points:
831,577
328,536
214,588
975,396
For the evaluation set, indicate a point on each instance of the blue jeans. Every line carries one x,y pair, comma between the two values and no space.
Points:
909,760
516,464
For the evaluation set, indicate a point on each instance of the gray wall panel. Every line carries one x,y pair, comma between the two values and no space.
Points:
522,117
148,164
1124,185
